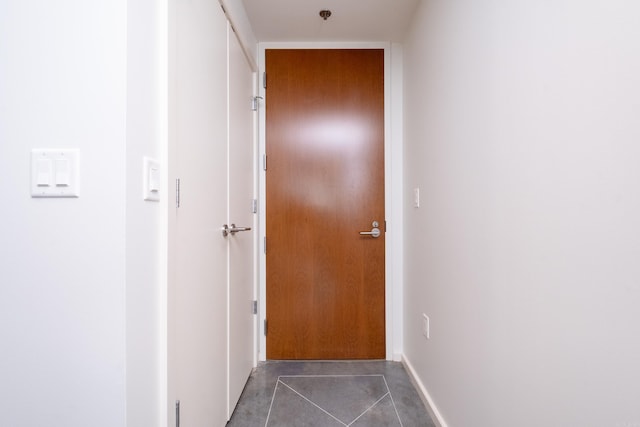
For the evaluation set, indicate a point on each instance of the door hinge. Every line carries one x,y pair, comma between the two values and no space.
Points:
265,245
264,162
177,192
265,327
264,80
254,103
254,307
254,206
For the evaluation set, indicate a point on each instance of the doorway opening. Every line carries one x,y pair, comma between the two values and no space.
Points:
391,294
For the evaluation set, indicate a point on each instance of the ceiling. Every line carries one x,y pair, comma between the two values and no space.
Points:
351,20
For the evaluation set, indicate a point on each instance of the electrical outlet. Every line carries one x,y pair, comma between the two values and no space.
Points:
425,326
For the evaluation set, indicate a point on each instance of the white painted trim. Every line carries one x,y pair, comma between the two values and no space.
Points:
262,222
256,219
435,414
165,32
393,186
228,33
237,16
388,207
395,200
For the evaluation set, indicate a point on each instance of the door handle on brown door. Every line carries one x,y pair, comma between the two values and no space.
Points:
375,231
226,230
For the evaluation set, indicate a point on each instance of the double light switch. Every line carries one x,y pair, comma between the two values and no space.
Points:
54,173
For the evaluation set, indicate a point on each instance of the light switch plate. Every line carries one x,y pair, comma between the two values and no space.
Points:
151,179
55,173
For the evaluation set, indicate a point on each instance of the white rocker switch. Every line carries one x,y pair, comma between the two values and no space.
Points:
63,177
151,179
154,180
43,172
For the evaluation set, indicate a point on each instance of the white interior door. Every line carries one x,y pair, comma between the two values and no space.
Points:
197,288
241,191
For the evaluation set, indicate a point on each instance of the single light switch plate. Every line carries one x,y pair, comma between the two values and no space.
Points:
55,173
426,326
151,179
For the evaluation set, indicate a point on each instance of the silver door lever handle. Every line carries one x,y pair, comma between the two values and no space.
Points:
226,230
375,232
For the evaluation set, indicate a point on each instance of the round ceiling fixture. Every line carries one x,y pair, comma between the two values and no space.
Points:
324,14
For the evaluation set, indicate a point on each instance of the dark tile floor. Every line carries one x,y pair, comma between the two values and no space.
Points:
328,394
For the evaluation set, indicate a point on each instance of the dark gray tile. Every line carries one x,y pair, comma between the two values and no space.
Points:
382,414
253,408
345,396
290,409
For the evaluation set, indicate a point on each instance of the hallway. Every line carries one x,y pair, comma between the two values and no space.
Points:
327,394
514,145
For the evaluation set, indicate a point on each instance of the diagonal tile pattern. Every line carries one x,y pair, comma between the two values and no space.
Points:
291,405
384,413
345,398
330,394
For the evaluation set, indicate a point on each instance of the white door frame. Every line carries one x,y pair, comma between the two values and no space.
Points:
241,189
393,189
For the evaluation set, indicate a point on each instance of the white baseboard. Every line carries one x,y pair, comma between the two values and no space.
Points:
424,394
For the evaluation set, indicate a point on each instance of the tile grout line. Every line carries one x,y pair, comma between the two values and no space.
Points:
271,405
393,402
314,404
370,407
330,376
388,393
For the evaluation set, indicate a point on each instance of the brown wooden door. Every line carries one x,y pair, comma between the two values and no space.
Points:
325,184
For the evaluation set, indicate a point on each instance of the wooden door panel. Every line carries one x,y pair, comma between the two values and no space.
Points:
325,183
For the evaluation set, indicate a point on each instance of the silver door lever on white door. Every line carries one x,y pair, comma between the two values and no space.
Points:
226,230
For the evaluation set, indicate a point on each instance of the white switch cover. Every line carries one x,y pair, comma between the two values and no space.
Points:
426,326
416,197
55,173
151,179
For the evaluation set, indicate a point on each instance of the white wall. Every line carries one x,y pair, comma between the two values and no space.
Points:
522,133
62,262
146,221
